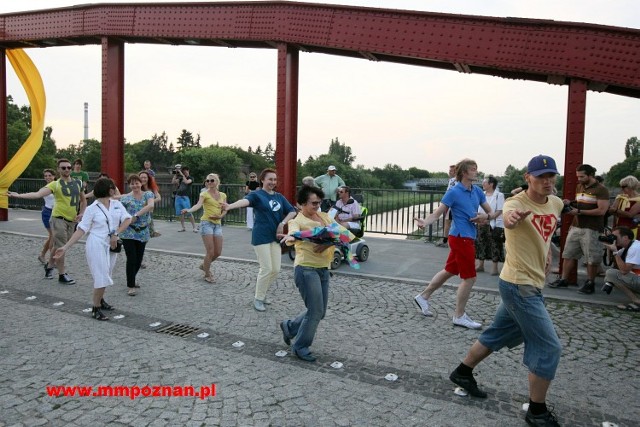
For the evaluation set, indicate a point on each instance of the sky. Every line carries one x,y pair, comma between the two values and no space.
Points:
387,113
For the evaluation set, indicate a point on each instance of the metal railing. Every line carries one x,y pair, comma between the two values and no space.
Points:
391,212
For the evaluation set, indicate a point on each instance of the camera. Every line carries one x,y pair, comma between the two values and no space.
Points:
571,205
607,238
176,168
607,287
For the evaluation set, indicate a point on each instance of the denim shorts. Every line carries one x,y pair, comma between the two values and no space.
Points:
210,229
182,202
522,317
46,217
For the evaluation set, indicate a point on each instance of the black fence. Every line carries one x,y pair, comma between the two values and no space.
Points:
390,211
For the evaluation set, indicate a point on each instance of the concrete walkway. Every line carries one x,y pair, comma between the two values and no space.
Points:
372,328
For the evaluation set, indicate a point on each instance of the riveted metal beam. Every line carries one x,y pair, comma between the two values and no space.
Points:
112,148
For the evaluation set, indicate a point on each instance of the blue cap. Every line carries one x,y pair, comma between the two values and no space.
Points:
541,164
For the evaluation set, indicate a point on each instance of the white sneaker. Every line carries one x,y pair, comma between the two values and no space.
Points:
466,322
423,304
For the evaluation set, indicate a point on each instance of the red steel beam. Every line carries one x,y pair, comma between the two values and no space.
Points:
112,150
287,120
574,151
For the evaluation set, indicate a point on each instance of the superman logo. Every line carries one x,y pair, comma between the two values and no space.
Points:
545,225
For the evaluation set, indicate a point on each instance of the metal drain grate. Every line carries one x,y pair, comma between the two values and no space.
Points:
178,330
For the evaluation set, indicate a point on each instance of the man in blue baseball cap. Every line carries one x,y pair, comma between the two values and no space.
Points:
530,218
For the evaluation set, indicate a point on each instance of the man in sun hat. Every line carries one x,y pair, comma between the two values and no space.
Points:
329,182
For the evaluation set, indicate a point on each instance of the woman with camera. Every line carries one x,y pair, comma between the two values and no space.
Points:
139,205
272,212
105,218
212,200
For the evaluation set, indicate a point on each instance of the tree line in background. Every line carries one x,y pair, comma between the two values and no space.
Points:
233,163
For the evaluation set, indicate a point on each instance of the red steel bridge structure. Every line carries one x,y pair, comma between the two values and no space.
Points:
581,56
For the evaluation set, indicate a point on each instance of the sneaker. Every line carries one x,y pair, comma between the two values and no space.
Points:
560,283
548,419
259,305
423,304
466,322
589,287
468,383
65,279
48,272
266,301
442,245
285,334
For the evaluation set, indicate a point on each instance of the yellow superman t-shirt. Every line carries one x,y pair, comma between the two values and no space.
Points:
527,245
67,198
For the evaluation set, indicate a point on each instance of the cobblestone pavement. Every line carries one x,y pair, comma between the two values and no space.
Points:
372,327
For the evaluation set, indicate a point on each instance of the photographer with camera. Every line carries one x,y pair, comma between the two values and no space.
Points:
592,203
626,250
182,180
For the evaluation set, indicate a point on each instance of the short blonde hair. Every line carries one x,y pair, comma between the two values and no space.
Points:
309,180
463,166
630,181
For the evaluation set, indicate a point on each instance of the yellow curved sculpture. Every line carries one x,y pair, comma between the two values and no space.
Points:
32,83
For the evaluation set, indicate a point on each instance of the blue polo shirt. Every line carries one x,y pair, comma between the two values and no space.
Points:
464,204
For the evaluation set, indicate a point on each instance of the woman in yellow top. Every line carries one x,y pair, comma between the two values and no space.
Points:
626,205
311,273
210,222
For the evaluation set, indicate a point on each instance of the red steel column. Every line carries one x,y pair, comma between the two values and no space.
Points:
113,109
574,150
287,120
4,136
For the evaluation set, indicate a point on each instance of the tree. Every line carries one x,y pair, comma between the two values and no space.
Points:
269,153
632,147
186,140
220,160
618,171
18,130
341,151
513,178
391,176
416,173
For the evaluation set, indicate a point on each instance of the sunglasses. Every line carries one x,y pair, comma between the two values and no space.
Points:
65,168
253,177
314,203
210,180
623,186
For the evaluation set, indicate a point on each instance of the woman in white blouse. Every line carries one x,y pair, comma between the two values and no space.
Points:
490,240
105,218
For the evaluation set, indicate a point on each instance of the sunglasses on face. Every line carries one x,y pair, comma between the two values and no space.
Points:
623,186
210,180
65,168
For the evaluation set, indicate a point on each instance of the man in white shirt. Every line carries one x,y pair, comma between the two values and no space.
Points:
626,251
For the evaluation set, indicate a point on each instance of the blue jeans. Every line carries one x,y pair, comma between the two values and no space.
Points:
313,285
522,317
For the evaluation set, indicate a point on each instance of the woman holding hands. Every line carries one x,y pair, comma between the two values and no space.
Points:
271,211
212,199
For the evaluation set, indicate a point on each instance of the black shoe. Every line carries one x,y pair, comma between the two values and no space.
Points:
306,357
560,283
468,383
65,279
98,314
589,287
48,272
548,419
105,306
285,337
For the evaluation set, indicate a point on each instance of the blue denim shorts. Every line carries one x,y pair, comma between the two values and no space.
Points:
210,229
46,217
182,202
522,317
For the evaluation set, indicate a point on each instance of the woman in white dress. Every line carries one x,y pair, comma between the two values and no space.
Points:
105,218
49,175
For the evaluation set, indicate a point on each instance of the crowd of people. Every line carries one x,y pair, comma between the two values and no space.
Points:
481,226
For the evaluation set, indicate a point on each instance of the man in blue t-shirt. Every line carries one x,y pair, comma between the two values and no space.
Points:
463,200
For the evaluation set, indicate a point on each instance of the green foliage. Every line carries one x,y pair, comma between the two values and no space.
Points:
157,150
513,178
415,173
214,159
341,152
186,140
618,171
255,163
88,150
18,130
632,148
391,176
